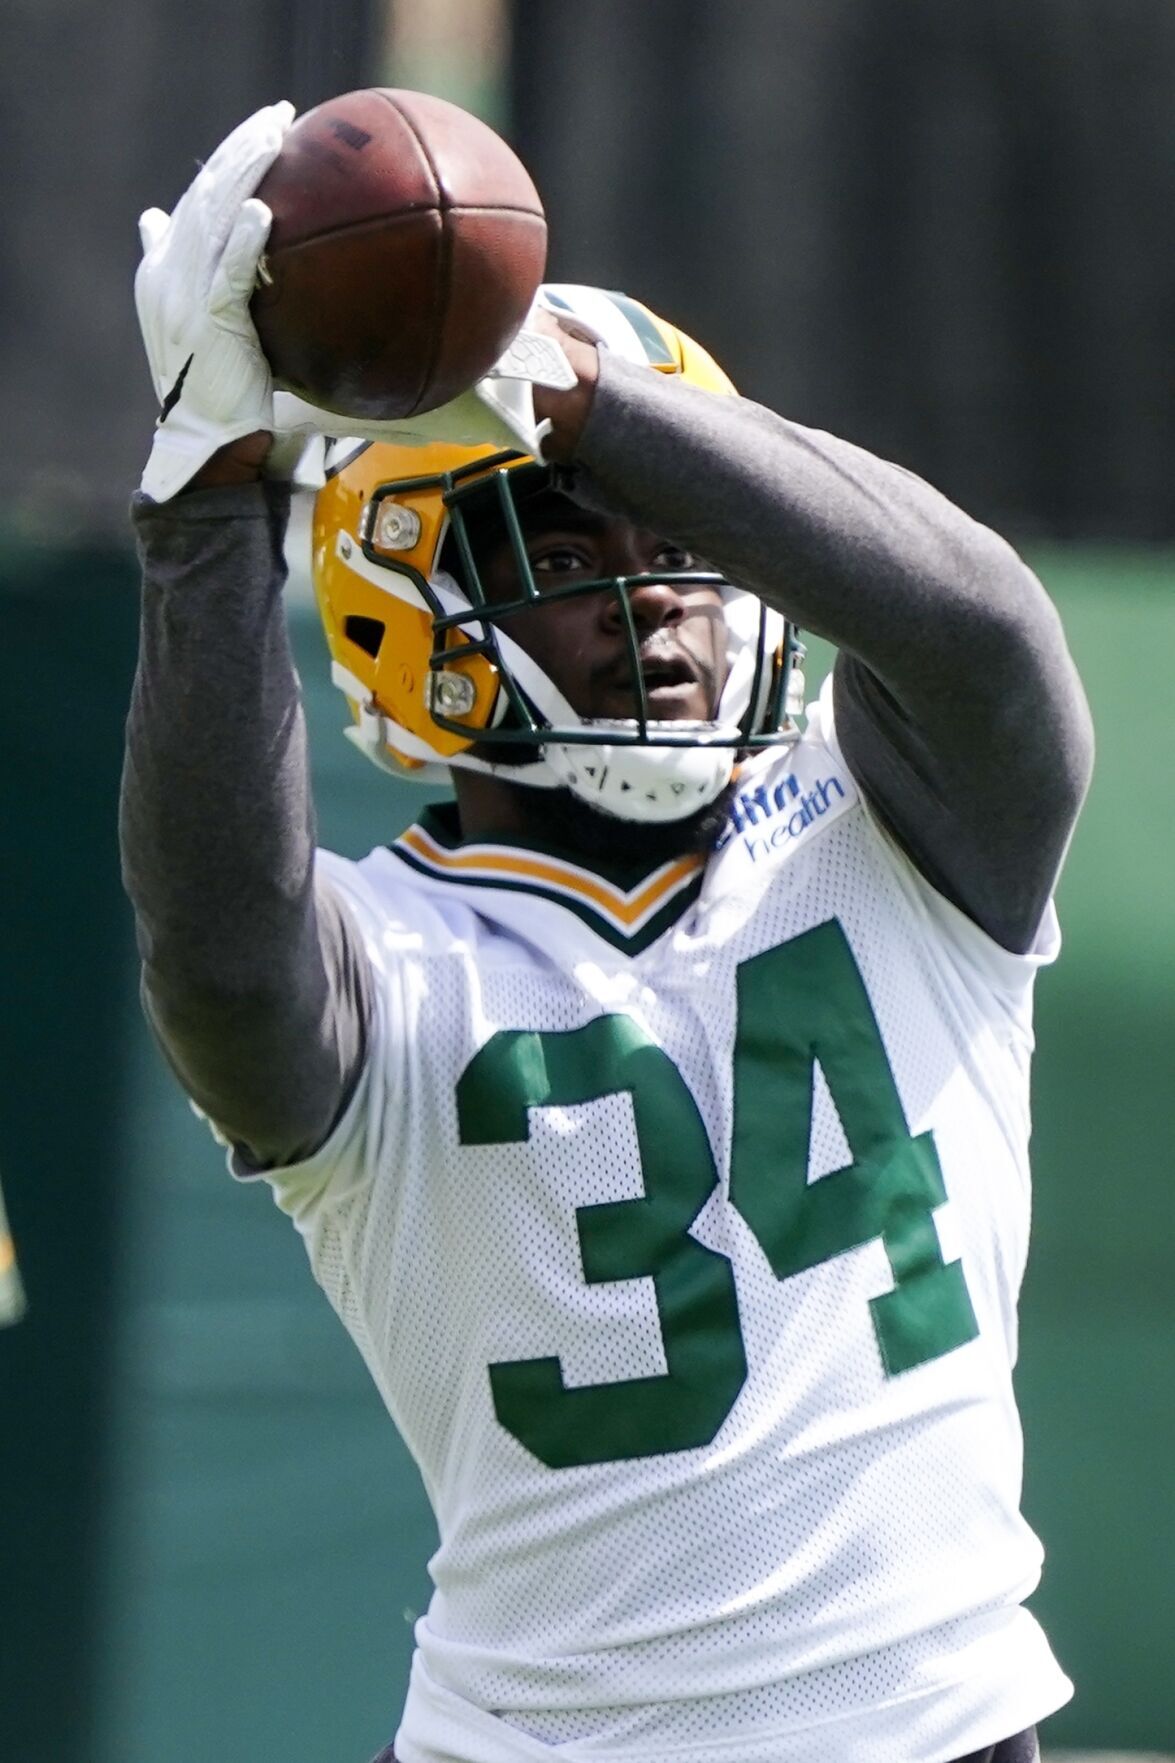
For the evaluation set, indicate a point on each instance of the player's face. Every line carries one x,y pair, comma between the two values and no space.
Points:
581,643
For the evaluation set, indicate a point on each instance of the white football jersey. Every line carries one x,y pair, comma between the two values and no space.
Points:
680,1219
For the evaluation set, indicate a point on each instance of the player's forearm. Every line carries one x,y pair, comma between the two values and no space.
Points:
958,705
216,816
849,546
242,975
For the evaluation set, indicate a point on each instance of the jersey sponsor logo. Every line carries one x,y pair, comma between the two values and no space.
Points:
768,818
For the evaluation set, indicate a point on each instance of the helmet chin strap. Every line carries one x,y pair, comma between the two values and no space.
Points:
644,784
635,783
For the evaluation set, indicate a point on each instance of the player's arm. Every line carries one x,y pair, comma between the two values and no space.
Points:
958,707
254,978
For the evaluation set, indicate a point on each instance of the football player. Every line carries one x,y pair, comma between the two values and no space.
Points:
655,1113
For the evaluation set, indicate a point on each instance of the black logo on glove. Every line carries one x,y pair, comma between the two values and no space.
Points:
173,397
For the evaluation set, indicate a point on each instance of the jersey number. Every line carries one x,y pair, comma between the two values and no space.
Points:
798,1005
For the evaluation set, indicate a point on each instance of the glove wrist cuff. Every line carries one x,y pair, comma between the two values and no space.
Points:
561,413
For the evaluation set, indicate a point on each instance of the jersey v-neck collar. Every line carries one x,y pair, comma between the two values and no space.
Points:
628,905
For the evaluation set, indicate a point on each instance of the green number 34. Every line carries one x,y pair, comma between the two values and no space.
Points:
799,1004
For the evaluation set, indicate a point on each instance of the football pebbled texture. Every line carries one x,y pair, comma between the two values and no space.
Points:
408,241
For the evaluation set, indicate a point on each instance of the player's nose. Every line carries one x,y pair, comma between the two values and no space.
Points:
653,605
631,551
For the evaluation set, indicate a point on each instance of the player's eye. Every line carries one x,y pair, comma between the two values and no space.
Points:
562,559
673,557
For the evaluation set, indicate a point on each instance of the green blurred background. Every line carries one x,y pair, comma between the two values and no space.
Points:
944,232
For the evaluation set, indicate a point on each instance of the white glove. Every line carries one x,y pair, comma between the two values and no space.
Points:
192,292
499,409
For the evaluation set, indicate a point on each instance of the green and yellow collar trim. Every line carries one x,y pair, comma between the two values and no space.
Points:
629,909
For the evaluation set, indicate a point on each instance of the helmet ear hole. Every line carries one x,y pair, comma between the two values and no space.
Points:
366,633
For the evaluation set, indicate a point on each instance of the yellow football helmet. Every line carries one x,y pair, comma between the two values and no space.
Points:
430,670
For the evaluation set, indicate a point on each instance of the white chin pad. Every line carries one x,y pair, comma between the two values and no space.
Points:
643,783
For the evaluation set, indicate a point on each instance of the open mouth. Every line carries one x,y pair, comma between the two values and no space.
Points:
659,672
671,687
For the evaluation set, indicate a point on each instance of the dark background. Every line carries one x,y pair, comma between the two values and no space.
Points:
942,230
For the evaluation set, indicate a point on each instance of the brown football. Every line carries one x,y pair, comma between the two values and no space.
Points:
407,244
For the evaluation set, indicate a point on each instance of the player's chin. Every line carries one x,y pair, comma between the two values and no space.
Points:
580,825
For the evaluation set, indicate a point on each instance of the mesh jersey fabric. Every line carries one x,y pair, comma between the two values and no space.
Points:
833,1563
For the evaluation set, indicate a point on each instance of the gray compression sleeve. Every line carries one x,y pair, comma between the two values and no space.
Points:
958,707
255,983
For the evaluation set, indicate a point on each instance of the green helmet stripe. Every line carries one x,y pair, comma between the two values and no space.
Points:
653,343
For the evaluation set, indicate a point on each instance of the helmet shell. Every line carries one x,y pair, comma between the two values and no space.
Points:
422,691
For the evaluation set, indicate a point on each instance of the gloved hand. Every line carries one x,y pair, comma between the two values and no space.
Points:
499,409
192,293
